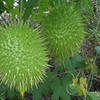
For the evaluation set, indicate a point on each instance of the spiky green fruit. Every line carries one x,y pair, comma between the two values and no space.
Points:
63,30
23,58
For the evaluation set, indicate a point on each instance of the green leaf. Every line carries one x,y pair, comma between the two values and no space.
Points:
56,83
11,93
73,90
75,62
97,48
44,88
68,64
57,93
53,84
60,87
65,96
93,95
37,94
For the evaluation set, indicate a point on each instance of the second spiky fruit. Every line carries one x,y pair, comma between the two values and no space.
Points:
63,30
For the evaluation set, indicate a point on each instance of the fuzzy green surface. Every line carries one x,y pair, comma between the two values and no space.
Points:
63,30
23,58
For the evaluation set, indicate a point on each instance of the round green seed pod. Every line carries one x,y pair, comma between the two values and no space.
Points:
63,30
23,58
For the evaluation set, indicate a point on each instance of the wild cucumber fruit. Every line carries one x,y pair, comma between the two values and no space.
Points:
23,58
63,30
